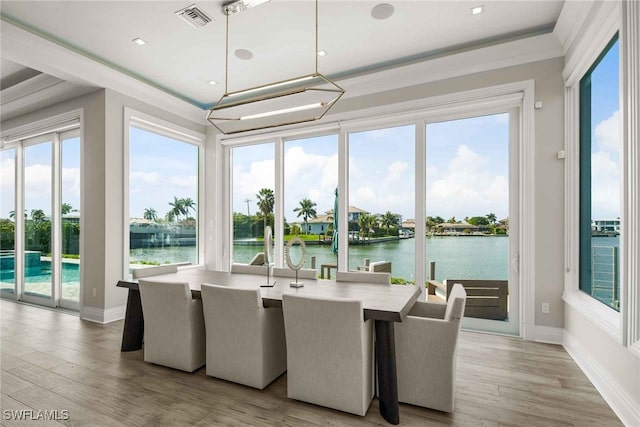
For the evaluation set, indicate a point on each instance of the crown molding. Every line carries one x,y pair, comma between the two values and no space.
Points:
569,23
508,54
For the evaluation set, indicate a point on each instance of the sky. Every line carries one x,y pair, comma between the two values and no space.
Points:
606,137
467,170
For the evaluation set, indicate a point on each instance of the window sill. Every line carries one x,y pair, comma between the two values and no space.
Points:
605,318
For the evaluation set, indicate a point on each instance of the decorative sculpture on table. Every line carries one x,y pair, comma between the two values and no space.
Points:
268,238
300,263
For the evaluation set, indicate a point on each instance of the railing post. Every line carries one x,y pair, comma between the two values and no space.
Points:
432,270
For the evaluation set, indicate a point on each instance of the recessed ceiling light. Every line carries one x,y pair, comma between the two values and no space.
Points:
139,41
243,54
477,10
382,11
322,53
212,82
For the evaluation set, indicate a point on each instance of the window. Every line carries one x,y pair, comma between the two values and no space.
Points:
39,239
7,221
600,179
381,200
70,216
253,199
164,171
310,181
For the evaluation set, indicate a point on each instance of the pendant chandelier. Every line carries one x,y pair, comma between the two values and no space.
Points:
297,100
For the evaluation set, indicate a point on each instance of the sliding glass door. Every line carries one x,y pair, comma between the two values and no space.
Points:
472,216
40,220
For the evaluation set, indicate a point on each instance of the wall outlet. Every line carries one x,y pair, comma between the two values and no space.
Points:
94,293
545,307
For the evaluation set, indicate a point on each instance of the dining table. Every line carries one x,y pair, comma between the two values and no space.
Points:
383,304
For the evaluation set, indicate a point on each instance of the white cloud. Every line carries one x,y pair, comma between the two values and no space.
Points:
313,176
7,187
247,183
467,188
607,133
37,181
605,186
145,177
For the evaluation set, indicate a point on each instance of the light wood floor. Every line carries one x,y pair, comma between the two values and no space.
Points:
52,360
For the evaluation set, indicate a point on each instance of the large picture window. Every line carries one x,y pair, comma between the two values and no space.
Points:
600,179
163,199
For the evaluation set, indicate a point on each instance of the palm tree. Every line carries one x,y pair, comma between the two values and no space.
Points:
37,215
306,210
365,222
65,208
150,214
188,205
177,209
266,201
387,220
492,218
12,214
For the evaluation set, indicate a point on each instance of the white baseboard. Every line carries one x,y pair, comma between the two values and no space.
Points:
549,335
620,402
100,315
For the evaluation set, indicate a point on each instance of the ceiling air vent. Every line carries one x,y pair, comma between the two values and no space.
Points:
194,16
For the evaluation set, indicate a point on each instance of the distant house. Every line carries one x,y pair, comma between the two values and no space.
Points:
458,228
606,225
320,223
409,224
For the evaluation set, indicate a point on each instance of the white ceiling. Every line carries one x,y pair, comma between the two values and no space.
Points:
181,59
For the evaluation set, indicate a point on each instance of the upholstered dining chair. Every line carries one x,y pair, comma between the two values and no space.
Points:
364,277
154,271
249,269
426,342
173,325
303,273
329,352
245,341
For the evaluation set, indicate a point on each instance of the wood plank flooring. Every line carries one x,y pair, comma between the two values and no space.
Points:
55,361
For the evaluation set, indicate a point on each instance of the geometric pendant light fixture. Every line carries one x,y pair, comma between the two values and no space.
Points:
297,100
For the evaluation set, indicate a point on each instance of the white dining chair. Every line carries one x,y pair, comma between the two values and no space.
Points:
363,277
154,271
174,334
426,343
245,341
329,352
303,273
249,269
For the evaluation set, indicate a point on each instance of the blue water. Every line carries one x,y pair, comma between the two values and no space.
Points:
456,257
70,273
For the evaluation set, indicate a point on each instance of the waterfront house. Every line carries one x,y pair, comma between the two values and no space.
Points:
96,93
320,224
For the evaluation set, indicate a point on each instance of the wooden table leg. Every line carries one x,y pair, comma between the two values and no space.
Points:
387,375
133,332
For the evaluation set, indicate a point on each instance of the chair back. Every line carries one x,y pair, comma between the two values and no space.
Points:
249,269
174,332
329,352
154,271
303,273
363,277
230,303
455,303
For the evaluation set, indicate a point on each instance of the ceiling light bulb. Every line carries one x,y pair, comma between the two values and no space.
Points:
322,53
283,111
139,41
212,82
477,10
271,86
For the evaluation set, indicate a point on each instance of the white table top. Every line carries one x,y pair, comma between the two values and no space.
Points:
380,302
